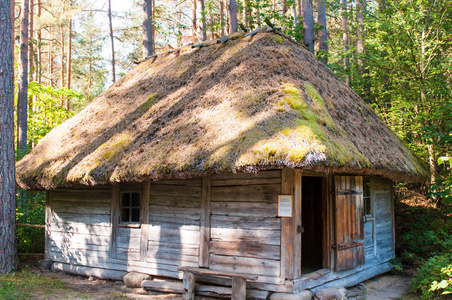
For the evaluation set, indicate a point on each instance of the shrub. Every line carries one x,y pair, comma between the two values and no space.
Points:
434,277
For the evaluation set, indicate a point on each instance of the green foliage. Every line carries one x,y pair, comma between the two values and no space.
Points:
434,277
89,70
30,210
23,284
48,109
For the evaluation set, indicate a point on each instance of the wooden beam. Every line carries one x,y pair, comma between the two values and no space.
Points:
204,241
114,219
297,224
326,224
48,218
200,271
238,288
189,286
145,220
287,227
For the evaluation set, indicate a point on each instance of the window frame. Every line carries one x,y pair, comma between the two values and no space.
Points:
370,204
131,224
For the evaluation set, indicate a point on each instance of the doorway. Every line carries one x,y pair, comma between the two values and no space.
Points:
312,222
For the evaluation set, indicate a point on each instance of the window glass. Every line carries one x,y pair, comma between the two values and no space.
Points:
125,199
130,207
366,197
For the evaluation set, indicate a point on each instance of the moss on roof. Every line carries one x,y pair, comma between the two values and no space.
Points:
252,103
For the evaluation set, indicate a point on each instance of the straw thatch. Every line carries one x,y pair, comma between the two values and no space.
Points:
252,103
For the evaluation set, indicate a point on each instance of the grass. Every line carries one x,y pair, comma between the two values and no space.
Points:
23,284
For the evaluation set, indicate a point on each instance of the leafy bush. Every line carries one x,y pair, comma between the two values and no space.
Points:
434,277
30,210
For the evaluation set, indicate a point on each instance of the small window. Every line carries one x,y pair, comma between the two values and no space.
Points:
366,197
130,207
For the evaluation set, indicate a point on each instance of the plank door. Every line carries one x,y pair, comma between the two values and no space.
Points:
349,245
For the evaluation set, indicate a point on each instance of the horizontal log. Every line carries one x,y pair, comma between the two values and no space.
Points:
89,271
31,225
245,222
175,190
190,182
247,193
92,208
246,249
183,249
57,247
247,181
156,255
163,286
245,209
268,237
174,201
85,218
241,175
191,220
246,265
81,196
81,228
131,232
174,211
170,235
77,238
203,271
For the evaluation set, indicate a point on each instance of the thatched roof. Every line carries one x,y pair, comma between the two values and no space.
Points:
249,104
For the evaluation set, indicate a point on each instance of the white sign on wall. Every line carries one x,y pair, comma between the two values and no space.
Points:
285,205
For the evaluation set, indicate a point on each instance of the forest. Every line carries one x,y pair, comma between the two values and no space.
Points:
395,54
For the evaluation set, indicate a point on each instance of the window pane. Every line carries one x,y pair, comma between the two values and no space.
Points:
366,188
125,215
125,199
367,206
135,215
135,199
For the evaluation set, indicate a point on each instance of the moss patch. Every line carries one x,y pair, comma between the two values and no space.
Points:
112,147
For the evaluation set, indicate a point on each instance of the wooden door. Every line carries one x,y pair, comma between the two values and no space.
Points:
349,244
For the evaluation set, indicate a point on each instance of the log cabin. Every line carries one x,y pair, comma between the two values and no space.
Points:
247,156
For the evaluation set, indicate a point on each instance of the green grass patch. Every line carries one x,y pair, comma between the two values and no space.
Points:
24,284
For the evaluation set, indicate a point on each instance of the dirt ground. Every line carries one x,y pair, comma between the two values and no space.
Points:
386,286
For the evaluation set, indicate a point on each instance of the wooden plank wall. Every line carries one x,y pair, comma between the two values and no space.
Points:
383,218
79,224
245,229
174,225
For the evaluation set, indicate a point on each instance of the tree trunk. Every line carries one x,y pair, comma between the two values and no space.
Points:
31,69
345,40
222,18
300,6
8,243
39,49
63,82
69,56
148,38
112,41
360,7
22,92
323,35
203,20
50,58
245,13
194,29
212,26
232,16
308,26
258,13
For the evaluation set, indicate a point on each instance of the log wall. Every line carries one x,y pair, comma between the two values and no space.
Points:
244,236
245,229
